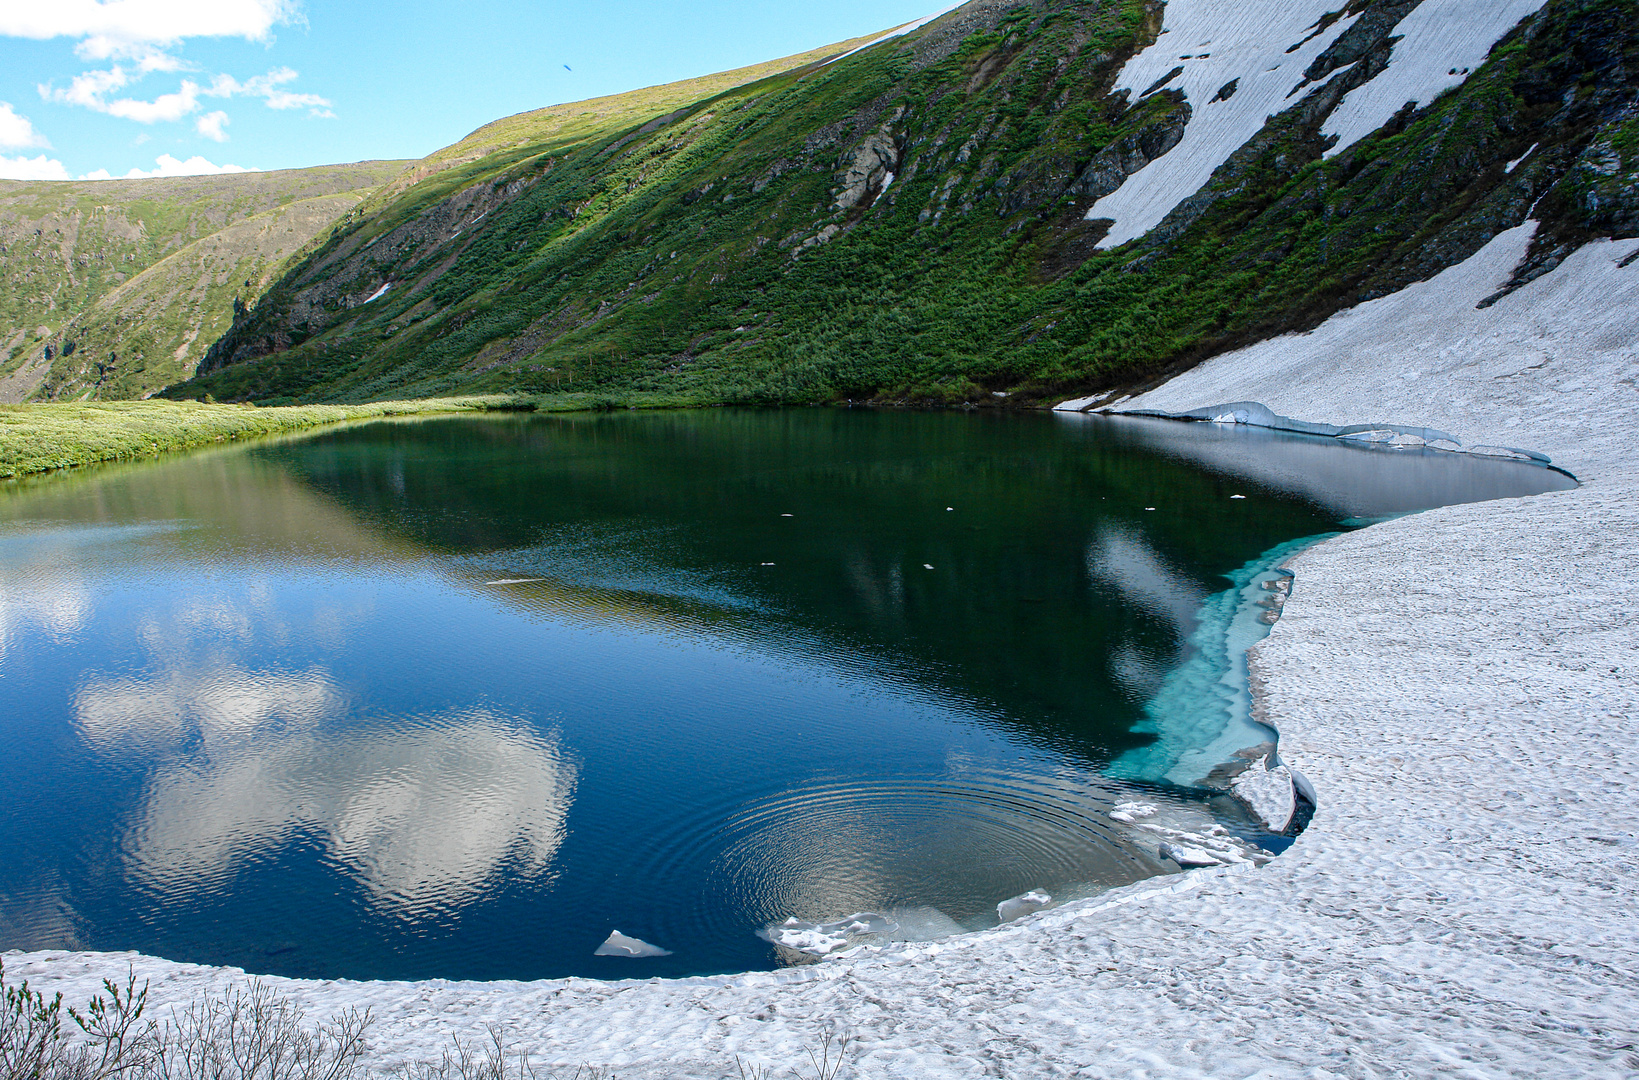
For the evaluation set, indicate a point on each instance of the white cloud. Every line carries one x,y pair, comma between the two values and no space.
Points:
211,124
166,165
38,168
165,107
44,168
16,131
91,90
270,87
125,28
426,816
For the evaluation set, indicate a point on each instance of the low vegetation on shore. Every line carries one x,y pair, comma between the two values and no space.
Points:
39,437
249,1032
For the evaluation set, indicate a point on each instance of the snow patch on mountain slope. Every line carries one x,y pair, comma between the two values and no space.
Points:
1441,43
1214,43
898,31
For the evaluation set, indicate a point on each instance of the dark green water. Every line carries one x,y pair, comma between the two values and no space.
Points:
458,697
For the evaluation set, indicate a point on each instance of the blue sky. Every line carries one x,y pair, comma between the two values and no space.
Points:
99,88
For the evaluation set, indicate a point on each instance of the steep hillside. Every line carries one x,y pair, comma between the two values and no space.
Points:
1010,202
116,287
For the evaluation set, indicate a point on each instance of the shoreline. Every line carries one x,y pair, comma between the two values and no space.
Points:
1459,686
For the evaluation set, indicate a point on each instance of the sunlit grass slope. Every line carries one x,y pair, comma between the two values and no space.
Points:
114,288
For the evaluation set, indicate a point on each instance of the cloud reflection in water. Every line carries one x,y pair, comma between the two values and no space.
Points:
426,813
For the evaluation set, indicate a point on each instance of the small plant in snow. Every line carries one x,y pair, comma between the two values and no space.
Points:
248,1034
35,1046
253,1034
825,1068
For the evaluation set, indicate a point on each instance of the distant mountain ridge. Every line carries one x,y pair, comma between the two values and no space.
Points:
115,288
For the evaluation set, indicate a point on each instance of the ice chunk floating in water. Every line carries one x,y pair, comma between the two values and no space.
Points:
823,939
618,944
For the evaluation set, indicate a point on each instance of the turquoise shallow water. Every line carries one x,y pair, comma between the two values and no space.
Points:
458,697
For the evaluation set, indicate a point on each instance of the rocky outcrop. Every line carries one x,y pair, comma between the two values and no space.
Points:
870,166
1110,168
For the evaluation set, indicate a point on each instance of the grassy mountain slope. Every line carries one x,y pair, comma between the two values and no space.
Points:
908,223
132,274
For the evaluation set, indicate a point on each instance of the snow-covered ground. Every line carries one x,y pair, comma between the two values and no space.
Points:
1461,688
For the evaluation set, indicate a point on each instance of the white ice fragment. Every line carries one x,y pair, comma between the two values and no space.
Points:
823,939
1186,855
618,944
927,566
513,581
1020,906
1267,792
1237,496
1129,812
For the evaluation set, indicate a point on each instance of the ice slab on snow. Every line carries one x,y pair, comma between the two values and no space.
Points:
1020,906
1441,43
1188,836
618,944
1215,43
1267,789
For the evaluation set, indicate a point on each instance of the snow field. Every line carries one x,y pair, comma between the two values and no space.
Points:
1214,44
1441,43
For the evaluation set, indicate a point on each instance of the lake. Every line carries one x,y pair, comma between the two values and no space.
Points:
458,697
